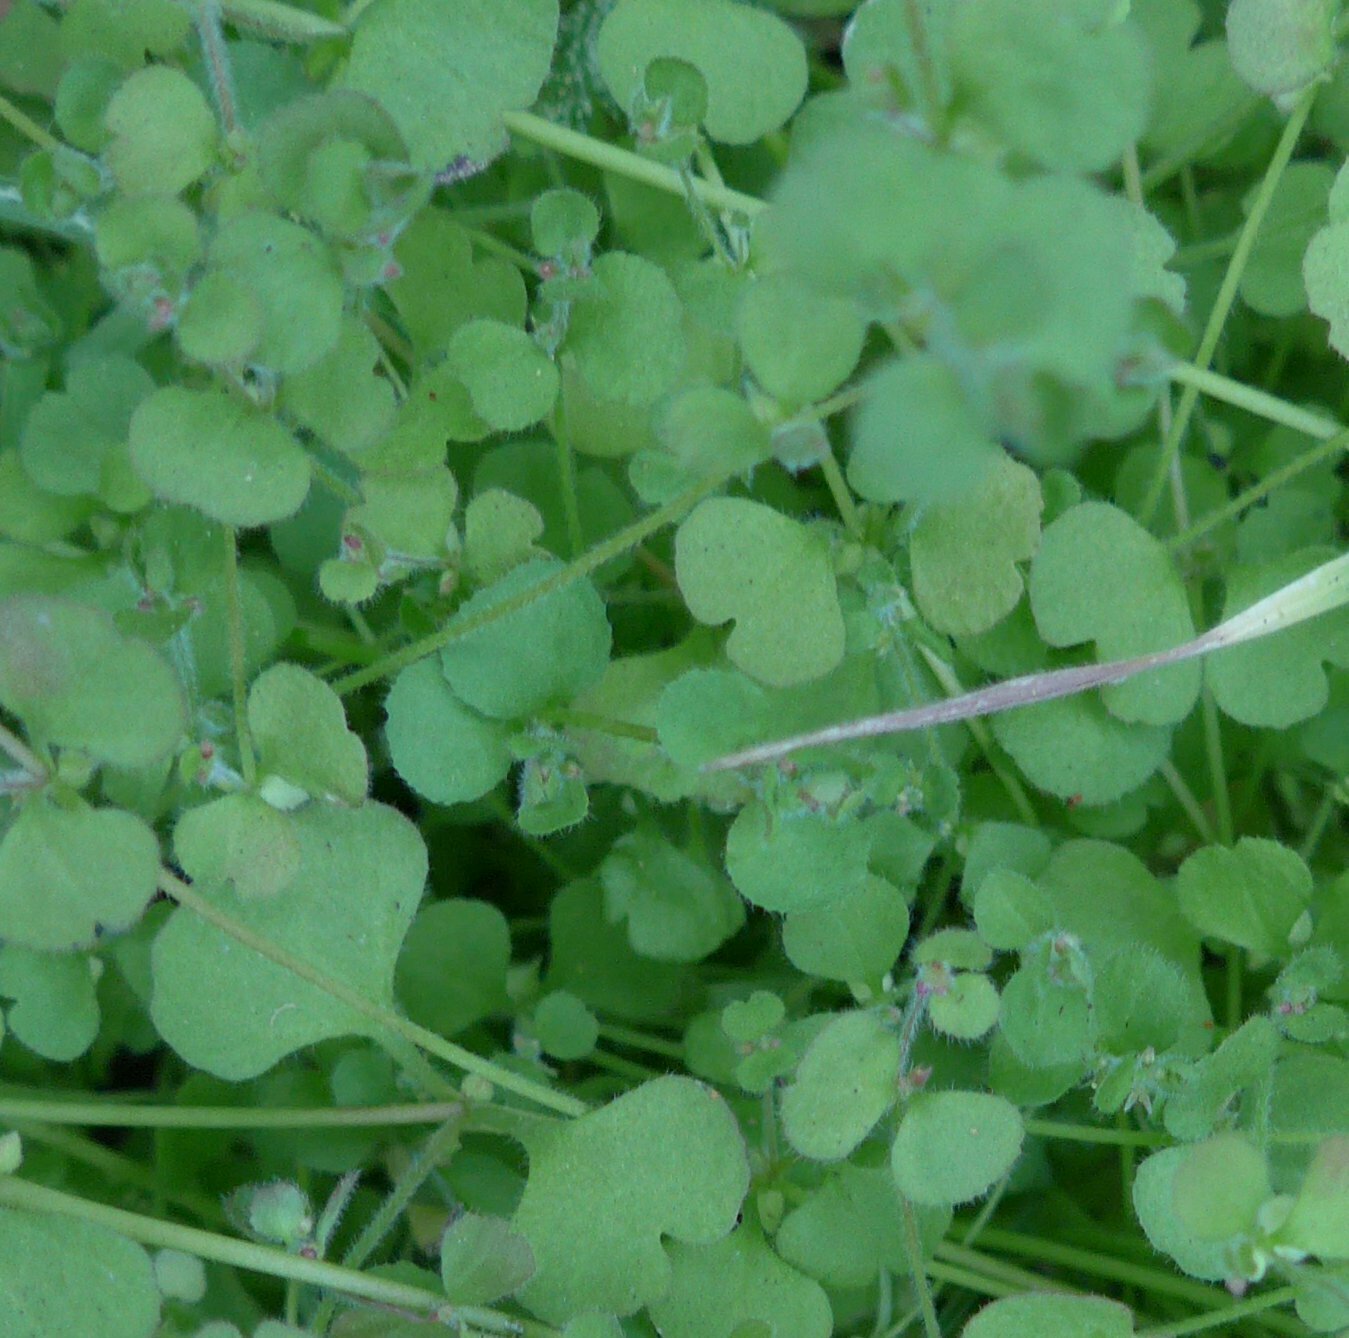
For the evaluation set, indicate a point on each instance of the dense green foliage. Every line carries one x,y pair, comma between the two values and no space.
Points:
434,435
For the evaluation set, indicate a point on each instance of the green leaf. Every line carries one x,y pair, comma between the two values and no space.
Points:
1250,895
1211,1085
482,1259
801,344
1280,46
967,1009
741,560
1272,282
1155,1205
953,1146
64,1275
677,909
564,1026
445,750
1045,1019
442,286
663,1162
1277,680
510,379
1319,1220
797,864
222,321
67,875
77,682
564,224
164,134
851,1226
916,436
300,731
709,430
238,839
543,653
340,398
590,956
55,1012
1100,577
965,552
844,1084
856,937
1052,81
1075,749
1218,1186
1038,1315
229,461
625,336
228,1010
753,63
748,1020
73,437
499,532
452,969
1010,910
1142,1002
446,75
738,1285
293,279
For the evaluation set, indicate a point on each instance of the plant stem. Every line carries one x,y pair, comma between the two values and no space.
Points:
624,162
387,1020
603,724
615,546
1090,1133
640,1040
334,482
119,1169
120,1115
921,41
842,494
1217,767
1213,1319
24,1194
28,127
1316,829
918,1267
1276,478
243,734
414,1175
215,56
1185,797
1227,293
1253,400
566,468
22,754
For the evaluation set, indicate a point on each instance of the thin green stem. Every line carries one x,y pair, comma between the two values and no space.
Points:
842,494
1316,829
970,1280
1253,400
21,753
1215,1319
1227,293
1090,1133
641,1040
215,56
119,1169
24,1194
1133,176
511,254
1165,168
334,482
998,1270
570,718
624,162
28,127
566,469
1217,768
1185,797
248,761
122,1115
1234,968
422,1164
918,1268
387,1020
1215,248
1276,478
617,544
929,94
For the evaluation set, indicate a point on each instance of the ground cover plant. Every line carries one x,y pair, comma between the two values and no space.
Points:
673,667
